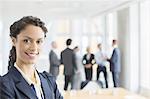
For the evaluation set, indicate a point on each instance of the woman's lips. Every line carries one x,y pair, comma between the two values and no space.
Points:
32,55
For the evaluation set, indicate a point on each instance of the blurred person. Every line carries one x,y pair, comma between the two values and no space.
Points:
115,65
78,77
100,58
23,81
88,61
69,62
54,60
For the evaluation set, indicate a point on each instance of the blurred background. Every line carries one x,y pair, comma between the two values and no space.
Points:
87,23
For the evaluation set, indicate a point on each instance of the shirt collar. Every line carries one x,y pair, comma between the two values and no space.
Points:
115,46
69,47
27,78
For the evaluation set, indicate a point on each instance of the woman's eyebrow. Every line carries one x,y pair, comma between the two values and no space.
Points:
32,38
27,37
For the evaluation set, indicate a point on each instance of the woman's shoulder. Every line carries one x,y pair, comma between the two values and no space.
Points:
6,76
10,76
6,80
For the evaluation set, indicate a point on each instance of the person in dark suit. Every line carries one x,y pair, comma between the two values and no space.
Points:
115,66
88,61
23,81
69,62
54,60
100,57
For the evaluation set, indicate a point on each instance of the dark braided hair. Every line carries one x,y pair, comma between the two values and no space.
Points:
17,27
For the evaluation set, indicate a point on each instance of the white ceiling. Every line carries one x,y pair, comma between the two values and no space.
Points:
60,8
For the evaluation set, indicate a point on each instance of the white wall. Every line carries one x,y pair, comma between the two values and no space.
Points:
134,45
128,35
145,47
127,32
123,39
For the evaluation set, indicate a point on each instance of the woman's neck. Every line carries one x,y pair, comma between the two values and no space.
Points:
27,69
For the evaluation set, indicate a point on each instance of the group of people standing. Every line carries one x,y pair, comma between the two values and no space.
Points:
100,59
69,58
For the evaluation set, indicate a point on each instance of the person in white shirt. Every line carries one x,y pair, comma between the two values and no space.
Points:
101,58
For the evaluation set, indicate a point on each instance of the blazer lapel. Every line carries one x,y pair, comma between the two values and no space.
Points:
48,94
26,89
21,84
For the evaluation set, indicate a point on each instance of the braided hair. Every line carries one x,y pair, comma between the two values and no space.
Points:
17,27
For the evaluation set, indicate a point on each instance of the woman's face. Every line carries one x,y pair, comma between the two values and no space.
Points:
28,44
88,49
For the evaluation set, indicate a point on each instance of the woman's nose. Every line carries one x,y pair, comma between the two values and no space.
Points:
33,46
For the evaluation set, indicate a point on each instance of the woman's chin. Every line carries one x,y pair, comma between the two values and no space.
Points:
31,61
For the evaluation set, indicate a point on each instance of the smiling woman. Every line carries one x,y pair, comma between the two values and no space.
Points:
28,44
23,81
22,33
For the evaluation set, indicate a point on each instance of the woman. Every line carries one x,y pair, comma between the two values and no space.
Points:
23,81
88,61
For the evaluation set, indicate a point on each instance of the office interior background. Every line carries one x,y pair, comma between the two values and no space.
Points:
88,22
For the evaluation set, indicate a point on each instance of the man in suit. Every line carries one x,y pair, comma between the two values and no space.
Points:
115,66
69,62
54,60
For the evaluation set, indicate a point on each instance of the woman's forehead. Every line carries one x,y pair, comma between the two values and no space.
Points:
32,31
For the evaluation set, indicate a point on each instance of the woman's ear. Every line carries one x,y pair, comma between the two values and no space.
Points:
13,41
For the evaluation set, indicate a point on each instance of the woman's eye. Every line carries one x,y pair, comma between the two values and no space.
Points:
40,41
26,41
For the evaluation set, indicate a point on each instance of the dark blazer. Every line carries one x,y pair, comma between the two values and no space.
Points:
54,63
14,86
69,61
91,60
115,65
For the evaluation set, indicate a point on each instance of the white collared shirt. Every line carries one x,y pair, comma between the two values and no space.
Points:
37,85
115,46
100,58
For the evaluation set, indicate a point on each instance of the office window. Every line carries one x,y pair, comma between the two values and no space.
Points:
98,25
87,26
76,27
85,43
94,41
60,26
94,27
